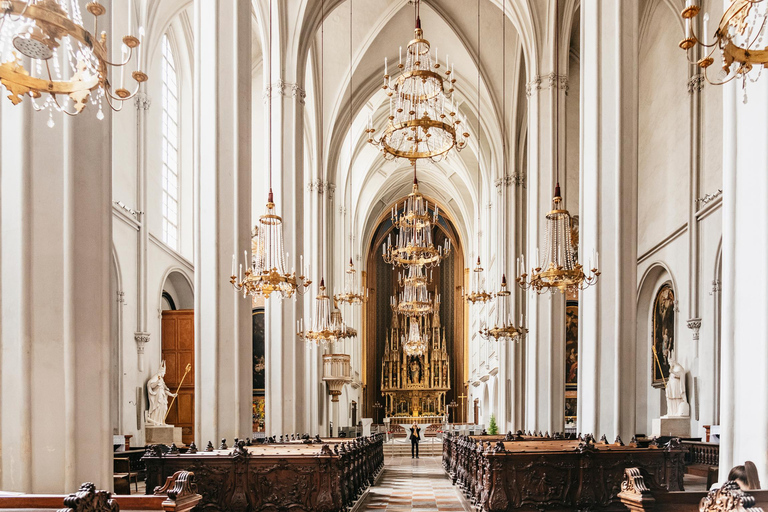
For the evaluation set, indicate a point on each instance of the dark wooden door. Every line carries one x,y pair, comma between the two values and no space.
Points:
178,338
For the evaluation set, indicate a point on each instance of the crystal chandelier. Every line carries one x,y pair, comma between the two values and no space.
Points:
415,299
740,38
351,293
423,122
415,344
68,64
504,328
266,274
478,293
414,244
560,269
325,327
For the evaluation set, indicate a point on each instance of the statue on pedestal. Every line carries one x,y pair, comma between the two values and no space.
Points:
677,399
158,397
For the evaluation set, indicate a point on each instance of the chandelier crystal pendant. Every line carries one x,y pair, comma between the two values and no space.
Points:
352,294
415,299
504,328
740,38
324,327
478,295
416,343
423,121
265,274
414,244
68,65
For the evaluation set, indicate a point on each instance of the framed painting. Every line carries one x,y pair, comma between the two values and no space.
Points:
259,365
663,336
571,402
258,413
571,344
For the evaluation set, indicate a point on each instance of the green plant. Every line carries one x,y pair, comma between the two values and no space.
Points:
493,429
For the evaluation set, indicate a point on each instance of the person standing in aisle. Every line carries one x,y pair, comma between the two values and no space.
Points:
415,437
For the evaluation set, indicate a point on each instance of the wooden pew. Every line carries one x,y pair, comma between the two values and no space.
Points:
178,494
555,474
277,476
702,459
637,497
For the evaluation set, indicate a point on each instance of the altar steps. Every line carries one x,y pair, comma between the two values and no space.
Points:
426,449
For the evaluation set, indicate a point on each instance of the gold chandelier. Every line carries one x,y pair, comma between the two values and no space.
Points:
68,64
504,328
414,244
423,122
478,293
265,274
351,294
415,344
560,269
739,38
325,327
415,299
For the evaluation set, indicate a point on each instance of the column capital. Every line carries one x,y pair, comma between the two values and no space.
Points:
695,325
286,90
552,80
696,83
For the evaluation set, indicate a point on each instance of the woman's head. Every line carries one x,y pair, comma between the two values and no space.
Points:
738,474
415,425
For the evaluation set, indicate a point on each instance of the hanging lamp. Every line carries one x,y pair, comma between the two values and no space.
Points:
265,274
423,119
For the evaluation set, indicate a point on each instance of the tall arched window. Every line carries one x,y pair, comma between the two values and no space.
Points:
170,143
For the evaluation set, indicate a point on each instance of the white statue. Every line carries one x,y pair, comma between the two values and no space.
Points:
158,397
677,400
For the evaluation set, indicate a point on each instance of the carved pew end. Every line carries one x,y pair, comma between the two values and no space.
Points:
181,491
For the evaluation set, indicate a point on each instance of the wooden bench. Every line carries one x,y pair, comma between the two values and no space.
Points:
702,459
178,494
637,497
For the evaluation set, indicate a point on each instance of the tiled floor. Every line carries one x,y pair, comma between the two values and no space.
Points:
414,484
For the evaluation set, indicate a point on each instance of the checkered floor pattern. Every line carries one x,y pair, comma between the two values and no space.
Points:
414,484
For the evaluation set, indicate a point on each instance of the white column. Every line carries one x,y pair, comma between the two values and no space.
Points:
608,216
223,186
55,205
744,377
545,351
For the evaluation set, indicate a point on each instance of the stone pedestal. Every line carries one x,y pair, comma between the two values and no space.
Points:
367,422
162,434
671,426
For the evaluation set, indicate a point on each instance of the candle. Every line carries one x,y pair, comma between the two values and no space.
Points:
437,59
130,16
141,40
122,68
233,264
706,29
401,56
241,272
385,66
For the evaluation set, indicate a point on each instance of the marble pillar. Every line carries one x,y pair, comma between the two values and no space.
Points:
608,221
55,206
223,380
744,370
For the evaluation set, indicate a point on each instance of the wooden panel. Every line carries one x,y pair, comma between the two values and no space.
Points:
178,342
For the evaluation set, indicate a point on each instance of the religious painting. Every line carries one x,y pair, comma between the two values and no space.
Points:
258,350
571,402
414,370
571,344
258,413
663,347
